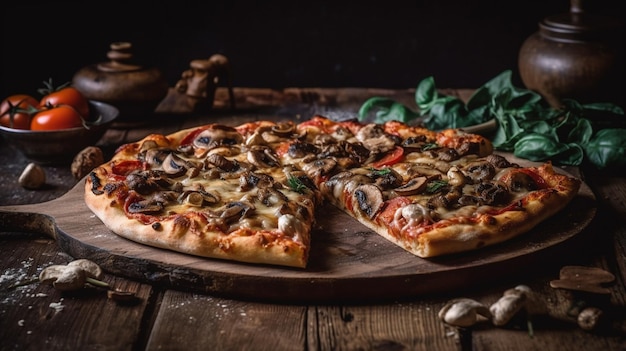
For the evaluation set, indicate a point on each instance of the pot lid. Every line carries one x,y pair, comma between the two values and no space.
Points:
580,25
121,59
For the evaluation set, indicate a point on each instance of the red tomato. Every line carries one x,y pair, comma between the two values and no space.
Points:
11,114
59,117
283,149
67,96
388,213
392,157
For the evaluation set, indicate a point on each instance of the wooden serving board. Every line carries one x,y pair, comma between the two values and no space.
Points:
348,262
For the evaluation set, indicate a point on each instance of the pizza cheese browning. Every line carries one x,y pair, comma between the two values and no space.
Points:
249,193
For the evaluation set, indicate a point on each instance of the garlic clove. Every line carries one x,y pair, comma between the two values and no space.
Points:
32,177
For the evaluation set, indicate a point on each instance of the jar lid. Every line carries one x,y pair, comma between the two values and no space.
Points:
578,25
120,59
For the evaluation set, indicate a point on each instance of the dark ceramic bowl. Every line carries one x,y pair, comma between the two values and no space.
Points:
59,146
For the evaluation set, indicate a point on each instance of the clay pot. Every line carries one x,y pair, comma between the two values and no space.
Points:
134,89
575,55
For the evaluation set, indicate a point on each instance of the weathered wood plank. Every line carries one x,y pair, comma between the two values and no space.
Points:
394,326
38,317
188,321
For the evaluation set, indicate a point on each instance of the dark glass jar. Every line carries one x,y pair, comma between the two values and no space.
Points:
575,55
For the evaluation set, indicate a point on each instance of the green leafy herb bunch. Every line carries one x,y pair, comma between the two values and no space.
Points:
526,124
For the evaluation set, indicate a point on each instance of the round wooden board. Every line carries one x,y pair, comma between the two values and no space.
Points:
348,262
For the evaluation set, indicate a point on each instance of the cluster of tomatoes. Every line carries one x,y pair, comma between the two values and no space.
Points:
59,108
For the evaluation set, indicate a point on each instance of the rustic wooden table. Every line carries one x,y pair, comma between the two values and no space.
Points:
35,316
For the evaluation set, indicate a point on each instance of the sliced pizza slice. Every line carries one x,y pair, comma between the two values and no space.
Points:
200,192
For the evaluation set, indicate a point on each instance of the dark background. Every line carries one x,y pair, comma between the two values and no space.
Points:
386,44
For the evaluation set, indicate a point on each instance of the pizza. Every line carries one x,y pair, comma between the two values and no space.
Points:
249,193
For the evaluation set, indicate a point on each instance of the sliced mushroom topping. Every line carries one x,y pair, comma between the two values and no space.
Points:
422,170
346,182
109,188
174,165
447,199
412,187
198,198
456,177
332,150
186,149
347,162
370,131
299,149
155,156
414,143
283,129
320,167
479,171
375,139
217,136
369,197
263,157
249,180
165,197
145,206
255,139
95,183
492,193
225,151
300,210
324,140
222,162
447,154
442,166
386,178
357,151
342,134
467,147
356,181
469,200
499,161
141,183
192,198
271,197
519,181
234,211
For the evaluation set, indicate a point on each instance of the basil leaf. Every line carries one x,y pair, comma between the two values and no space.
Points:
607,149
426,94
539,147
507,133
581,134
387,110
444,114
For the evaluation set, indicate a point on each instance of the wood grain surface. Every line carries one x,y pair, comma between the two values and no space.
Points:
348,261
